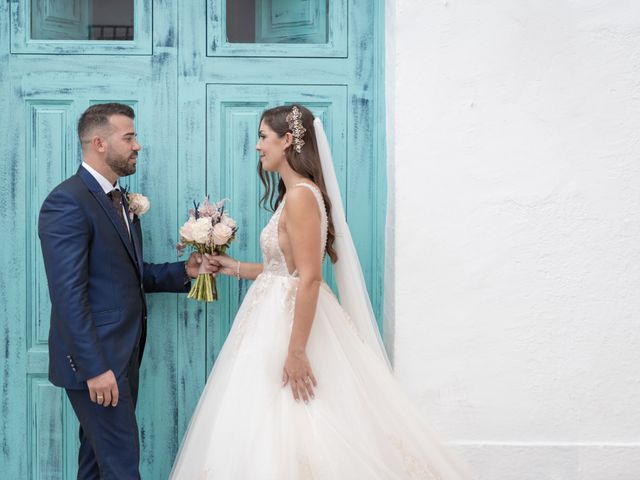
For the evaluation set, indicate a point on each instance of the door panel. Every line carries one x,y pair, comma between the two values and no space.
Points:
45,444
50,156
233,117
47,164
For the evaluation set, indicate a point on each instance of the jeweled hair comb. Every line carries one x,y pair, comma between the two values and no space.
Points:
294,119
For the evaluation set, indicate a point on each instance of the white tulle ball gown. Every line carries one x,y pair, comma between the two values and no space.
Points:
360,426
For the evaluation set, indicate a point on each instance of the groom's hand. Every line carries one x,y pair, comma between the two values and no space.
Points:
103,389
199,263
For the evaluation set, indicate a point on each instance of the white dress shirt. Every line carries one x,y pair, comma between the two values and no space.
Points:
107,187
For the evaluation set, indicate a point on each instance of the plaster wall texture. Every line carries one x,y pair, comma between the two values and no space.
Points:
513,277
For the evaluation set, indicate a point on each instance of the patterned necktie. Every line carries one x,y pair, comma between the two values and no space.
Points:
116,199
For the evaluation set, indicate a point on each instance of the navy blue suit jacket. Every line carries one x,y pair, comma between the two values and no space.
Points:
97,282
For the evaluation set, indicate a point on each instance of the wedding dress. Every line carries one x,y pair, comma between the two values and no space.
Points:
360,426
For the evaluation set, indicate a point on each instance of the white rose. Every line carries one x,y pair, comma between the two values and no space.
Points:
186,231
138,204
221,233
201,229
228,221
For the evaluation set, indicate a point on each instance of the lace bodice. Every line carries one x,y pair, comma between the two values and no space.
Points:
273,258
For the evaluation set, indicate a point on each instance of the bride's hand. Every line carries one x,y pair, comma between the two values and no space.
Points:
297,372
224,262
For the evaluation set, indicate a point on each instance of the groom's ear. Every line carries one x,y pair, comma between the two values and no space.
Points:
98,143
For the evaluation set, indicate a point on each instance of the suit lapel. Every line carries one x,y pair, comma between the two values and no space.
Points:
134,234
104,201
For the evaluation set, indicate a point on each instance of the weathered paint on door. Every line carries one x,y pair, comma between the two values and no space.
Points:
198,100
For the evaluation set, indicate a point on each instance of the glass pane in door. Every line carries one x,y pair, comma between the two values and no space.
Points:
82,20
277,21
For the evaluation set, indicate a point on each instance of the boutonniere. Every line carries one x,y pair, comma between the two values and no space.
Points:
138,204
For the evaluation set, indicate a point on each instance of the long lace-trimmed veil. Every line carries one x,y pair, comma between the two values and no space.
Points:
352,288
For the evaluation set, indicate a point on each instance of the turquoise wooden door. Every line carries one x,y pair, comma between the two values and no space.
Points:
198,75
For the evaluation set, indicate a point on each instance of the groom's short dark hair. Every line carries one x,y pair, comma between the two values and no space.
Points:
98,116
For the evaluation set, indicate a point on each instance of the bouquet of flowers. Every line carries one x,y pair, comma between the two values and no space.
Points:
208,230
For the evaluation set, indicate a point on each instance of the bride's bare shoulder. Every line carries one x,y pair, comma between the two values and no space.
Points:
300,201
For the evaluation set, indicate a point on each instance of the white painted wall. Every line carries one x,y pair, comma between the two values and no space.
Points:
514,270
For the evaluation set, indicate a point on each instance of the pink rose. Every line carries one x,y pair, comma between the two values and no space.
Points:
221,234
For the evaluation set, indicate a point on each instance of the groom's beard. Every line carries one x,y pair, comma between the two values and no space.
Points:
121,165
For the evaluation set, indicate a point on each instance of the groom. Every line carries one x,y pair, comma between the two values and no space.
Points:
92,249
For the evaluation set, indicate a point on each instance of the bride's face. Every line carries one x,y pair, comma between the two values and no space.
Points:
271,148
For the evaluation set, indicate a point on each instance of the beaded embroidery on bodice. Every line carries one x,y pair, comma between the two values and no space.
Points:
272,256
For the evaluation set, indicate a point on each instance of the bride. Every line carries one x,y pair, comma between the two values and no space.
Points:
302,388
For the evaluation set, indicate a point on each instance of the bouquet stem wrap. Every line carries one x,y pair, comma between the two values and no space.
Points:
204,287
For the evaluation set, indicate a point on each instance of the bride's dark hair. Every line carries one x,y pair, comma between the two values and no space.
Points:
305,163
